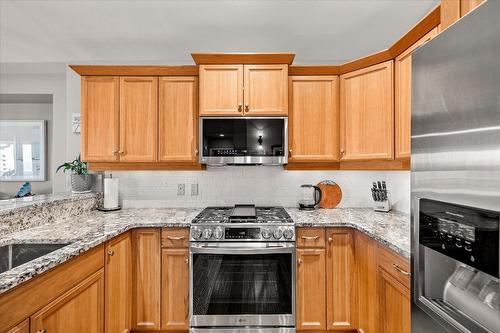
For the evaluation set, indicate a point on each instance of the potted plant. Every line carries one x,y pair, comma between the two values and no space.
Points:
81,180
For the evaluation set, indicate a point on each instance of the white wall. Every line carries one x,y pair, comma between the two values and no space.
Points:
254,184
30,111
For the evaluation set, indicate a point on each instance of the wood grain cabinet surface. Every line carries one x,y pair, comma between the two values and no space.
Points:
367,113
138,119
118,283
402,97
313,118
394,306
80,310
452,10
175,289
100,117
146,289
178,118
341,280
23,327
250,90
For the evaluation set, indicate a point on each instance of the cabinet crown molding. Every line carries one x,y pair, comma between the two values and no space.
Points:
243,58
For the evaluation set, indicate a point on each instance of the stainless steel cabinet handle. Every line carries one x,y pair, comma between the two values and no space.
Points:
175,238
310,237
43,330
299,261
400,270
111,253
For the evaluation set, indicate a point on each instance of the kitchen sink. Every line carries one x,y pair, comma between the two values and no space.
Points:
14,255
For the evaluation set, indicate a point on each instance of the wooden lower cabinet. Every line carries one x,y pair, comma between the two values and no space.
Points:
118,282
311,290
394,306
146,279
80,310
23,327
341,279
175,289
367,269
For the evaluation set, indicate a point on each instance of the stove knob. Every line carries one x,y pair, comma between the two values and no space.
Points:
218,233
266,233
278,233
207,233
196,233
288,233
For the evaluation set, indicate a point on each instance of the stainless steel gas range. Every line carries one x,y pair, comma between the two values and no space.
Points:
242,270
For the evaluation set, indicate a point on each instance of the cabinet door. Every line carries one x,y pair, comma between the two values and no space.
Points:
468,5
80,310
341,280
366,266
394,306
23,327
367,113
147,279
221,90
175,289
402,91
178,118
138,119
100,103
266,90
118,282
314,118
311,287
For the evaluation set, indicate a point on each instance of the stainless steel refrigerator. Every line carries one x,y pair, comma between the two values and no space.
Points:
455,177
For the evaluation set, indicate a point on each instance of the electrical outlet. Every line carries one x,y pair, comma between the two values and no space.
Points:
194,190
181,189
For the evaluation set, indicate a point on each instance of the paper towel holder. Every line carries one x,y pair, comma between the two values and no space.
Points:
100,206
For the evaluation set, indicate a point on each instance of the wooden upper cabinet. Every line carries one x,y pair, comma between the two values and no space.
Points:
23,327
341,280
175,289
367,284
367,113
138,119
221,90
468,5
402,97
311,289
79,310
118,282
178,118
146,287
100,103
314,118
452,10
266,90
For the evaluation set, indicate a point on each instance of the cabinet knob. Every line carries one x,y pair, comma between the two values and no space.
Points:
290,153
196,152
114,152
121,152
342,152
247,107
240,107
186,260
43,330
300,261
330,239
111,253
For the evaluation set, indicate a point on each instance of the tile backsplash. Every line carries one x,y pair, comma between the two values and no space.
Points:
253,184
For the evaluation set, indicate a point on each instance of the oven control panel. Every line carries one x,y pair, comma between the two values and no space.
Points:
239,233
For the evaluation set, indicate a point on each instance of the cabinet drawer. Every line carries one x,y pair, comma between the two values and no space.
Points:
175,237
395,265
310,237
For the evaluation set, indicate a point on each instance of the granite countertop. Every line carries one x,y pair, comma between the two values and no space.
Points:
94,228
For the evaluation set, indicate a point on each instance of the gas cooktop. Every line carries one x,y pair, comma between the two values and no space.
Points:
243,214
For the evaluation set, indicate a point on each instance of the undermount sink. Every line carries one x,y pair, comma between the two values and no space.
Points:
14,255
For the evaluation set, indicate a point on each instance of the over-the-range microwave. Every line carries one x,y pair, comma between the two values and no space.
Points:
243,140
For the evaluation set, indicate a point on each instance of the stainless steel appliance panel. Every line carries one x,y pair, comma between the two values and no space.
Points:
455,132
244,330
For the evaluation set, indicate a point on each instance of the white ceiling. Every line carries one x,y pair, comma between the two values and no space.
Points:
103,31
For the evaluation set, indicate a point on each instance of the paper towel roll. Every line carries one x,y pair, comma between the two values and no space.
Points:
110,193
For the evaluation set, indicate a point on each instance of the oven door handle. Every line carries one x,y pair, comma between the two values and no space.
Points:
221,249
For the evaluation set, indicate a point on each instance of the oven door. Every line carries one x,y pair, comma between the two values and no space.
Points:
242,284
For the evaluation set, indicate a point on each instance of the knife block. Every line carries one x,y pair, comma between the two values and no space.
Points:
382,206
